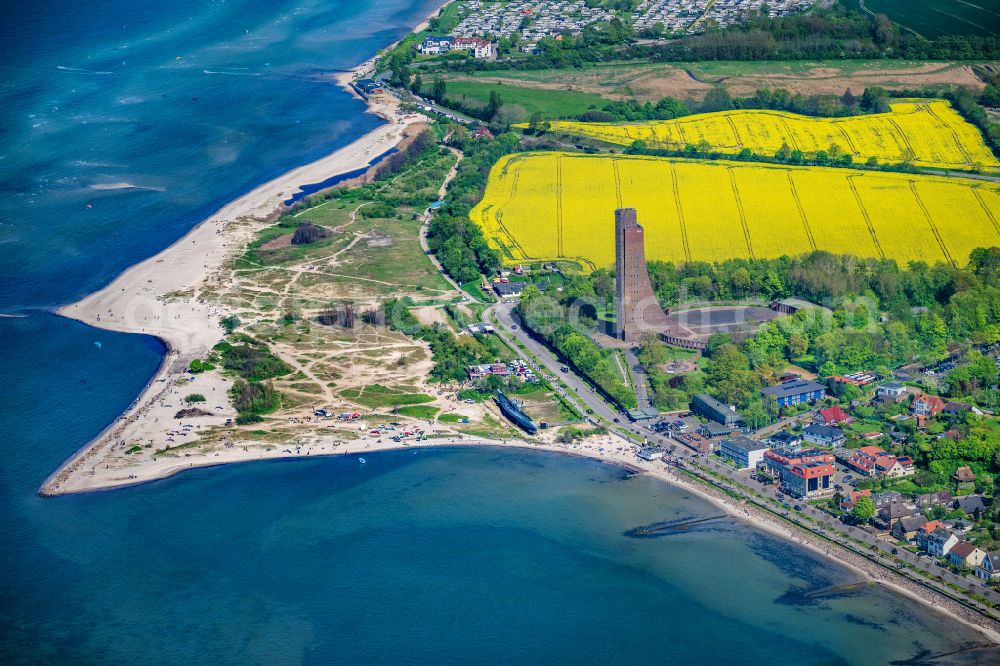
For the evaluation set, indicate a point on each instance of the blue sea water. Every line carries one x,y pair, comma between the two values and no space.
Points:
438,556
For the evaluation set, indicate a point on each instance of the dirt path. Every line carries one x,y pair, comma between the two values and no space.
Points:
427,219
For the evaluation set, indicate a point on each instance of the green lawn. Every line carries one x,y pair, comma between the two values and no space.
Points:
549,103
376,395
418,411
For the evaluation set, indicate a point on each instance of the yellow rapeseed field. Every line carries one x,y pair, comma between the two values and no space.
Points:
549,205
928,132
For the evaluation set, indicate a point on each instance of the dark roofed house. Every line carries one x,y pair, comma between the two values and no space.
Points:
795,392
786,441
956,408
823,435
906,528
890,513
509,288
713,430
713,410
970,504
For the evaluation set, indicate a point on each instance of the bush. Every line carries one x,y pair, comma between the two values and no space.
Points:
198,366
195,397
230,323
251,360
307,232
254,397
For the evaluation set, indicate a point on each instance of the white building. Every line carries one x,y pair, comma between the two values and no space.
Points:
940,542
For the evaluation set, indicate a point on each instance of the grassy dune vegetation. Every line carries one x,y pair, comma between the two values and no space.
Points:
560,205
928,133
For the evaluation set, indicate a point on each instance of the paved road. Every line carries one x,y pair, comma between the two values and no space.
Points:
511,328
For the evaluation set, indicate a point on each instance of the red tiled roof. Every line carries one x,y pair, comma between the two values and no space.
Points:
834,415
932,525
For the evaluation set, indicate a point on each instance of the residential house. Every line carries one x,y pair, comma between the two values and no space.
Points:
891,392
833,416
965,554
906,529
435,45
940,542
482,49
823,435
482,132
713,410
989,568
924,533
795,392
509,288
745,452
890,507
970,504
931,500
851,498
785,441
926,406
964,474
955,408
874,461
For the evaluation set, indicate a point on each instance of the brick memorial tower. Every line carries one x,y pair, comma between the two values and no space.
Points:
637,309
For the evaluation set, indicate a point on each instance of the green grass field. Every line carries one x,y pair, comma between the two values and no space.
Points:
550,103
932,18
376,395
418,411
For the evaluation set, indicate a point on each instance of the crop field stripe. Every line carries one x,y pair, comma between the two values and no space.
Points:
789,133
802,211
989,213
736,132
930,222
864,213
847,137
680,213
618,182
498,216
559,211
944,124
739,207
905,139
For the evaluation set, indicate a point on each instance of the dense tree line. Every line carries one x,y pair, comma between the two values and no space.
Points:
457,242
549,321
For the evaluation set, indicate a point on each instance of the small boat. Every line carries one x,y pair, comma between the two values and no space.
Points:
362,461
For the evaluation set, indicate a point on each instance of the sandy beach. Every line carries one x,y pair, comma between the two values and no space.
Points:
161,296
